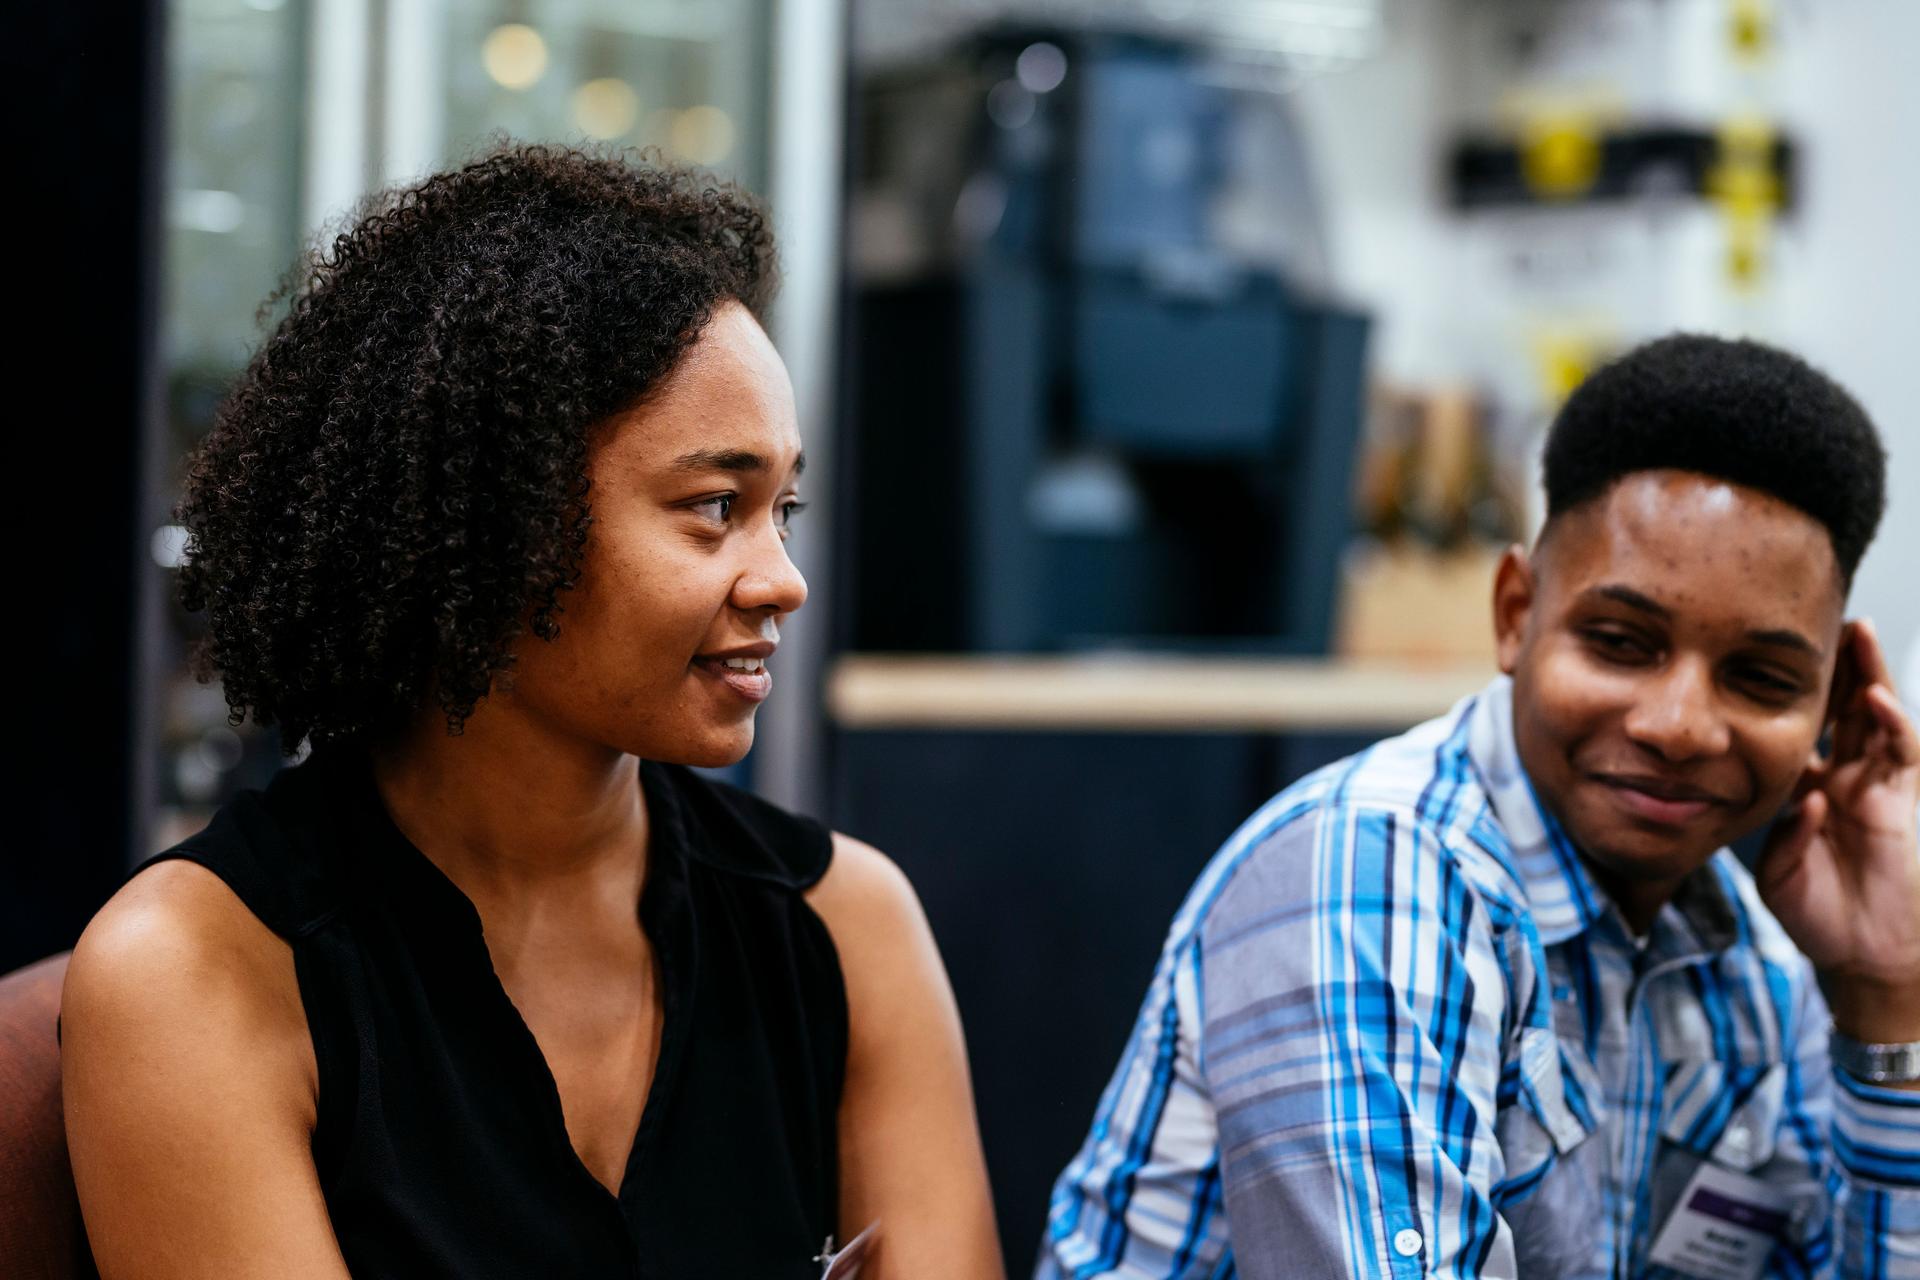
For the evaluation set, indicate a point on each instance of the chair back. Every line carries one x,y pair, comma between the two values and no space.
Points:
40,1233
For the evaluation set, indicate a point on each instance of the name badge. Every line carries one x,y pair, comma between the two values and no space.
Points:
1723,1227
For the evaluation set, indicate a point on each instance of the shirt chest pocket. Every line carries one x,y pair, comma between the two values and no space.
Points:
1559,1107
1551,1194
1725,1112
1730,1115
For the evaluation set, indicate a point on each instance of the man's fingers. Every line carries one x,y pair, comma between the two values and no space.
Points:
1816,774
1870,654
1858,716
1901,738
1786,848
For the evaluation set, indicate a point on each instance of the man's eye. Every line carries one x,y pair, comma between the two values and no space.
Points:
1617,645
1766,685
789,509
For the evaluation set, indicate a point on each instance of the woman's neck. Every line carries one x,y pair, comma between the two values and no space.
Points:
511,810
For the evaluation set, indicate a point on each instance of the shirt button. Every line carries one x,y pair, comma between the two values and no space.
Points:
1407,1243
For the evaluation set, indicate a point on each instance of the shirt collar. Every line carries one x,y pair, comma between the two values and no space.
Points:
1563,897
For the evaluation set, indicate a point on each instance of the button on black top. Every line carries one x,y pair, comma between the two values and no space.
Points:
440,1143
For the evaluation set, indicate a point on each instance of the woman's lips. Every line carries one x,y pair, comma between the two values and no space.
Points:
754,686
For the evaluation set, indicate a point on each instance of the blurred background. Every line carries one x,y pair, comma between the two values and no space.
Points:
1176,368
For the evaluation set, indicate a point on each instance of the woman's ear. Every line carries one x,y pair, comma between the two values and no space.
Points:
1513,588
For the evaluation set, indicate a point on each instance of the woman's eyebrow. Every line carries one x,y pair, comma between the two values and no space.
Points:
735,460
720,460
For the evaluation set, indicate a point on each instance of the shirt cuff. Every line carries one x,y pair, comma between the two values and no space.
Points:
1876,1133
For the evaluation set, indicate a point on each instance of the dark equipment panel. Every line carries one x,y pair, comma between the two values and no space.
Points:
1051,899
1072,420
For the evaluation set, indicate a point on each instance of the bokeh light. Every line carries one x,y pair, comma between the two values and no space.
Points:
515,55
703,135
606,108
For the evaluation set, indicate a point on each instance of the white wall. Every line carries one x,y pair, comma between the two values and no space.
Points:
1846,290
809,76
1851,302
1374,133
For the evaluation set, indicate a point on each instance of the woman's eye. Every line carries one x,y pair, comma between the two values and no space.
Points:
789,509
720,507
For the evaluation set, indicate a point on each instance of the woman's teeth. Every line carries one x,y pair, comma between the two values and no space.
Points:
745,664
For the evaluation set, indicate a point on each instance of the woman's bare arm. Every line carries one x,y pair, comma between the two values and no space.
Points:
190,1089
909,1141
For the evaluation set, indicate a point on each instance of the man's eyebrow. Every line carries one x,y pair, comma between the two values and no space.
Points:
1634,600
1786,640
735,460
1782,637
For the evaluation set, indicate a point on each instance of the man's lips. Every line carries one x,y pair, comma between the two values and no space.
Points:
1658,800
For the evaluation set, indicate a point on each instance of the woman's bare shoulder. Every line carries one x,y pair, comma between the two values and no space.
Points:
909,1146
176,960
863,888
189,1088
887,954
172,915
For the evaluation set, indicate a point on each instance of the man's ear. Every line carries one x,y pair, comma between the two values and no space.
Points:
1846,673
1513,589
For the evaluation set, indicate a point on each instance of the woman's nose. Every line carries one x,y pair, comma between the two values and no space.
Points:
772,581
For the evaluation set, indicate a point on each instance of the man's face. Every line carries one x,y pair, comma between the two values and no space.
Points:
1671,644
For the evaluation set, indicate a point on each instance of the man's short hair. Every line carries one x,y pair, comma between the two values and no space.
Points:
1732,409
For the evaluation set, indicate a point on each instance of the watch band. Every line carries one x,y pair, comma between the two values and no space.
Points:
1876,1063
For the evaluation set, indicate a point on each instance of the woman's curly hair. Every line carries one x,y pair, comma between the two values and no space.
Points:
395,490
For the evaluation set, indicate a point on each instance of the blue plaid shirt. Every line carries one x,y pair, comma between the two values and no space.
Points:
1397,1030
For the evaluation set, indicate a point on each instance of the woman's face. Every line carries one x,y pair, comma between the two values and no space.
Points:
686,577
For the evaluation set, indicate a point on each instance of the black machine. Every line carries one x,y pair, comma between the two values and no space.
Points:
1078,421
1086,411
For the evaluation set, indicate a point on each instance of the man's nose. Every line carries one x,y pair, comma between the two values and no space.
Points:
1677,714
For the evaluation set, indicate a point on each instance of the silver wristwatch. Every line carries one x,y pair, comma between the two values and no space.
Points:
1876,1063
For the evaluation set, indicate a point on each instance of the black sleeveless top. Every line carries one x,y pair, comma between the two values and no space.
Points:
440,1143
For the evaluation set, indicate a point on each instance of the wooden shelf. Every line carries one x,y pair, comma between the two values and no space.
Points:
1138,693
